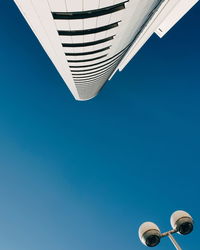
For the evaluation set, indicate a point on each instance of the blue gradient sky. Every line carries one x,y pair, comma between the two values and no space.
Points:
84,175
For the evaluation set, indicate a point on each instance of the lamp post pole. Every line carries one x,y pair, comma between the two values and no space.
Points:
172,239
174,242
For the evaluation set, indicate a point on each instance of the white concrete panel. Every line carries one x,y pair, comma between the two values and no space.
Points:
88,38
88,48
66,39
89,23
47,35
136,13
113,74
100,35
76,24
103,20
93,68
134,17
88,63
62,24
117,16
111,32
68,50
135,20
77,39
182,7
74,5
87,56
98,46
106,3
90,5
57,5
118,1
32,19
149,29
75,50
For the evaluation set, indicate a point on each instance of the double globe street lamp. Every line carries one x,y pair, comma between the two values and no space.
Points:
181,222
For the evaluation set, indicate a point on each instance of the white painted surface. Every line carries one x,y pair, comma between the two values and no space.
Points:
131,29
57,5
182,7
74,5
90,5
38,16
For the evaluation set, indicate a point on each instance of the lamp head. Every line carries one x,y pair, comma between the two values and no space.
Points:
182,222
149,234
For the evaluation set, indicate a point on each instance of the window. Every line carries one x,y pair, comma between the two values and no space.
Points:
93,73
88,31
87,52
87,43
96,78
94,64
89,13
86,60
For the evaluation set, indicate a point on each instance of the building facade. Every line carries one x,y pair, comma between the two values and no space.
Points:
89,40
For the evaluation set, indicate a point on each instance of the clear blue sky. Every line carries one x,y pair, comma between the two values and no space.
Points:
84,175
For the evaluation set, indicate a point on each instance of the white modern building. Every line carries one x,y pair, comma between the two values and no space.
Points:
89,40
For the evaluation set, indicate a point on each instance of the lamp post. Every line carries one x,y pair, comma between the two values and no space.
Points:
181,222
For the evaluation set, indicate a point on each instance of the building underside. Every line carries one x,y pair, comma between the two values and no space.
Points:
89,40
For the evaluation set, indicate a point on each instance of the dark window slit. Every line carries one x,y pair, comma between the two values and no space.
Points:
88,31
92,79
91,82
96,71
87,52
99,67
76,76
93,76
87,43
89,13
96,80
87,60
85,66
